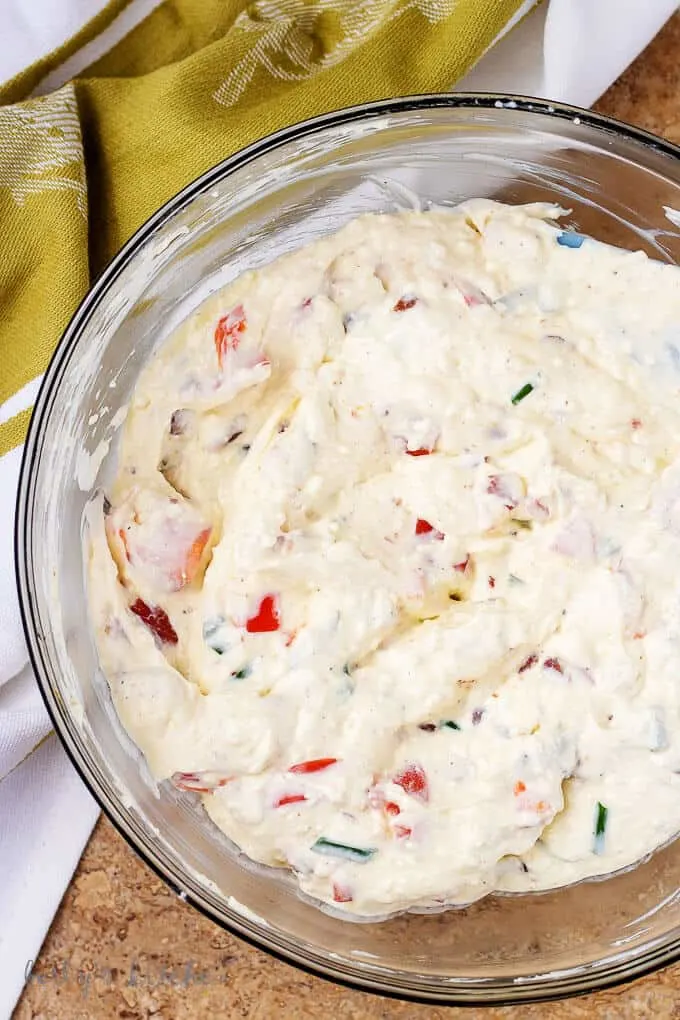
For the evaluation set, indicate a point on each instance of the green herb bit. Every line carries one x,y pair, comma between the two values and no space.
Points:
527,525
600,827
211,630
514,580
449,724
329,848
347,669
522,393
241,674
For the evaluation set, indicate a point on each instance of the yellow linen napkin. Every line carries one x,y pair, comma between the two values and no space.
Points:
83,167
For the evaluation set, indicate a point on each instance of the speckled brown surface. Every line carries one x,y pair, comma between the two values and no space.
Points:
122,946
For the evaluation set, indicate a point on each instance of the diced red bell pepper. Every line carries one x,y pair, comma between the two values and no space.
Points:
422,451
191,782
554,664
424,527
192,561
195,782
289,798
341,894
413,781
315,765
463,565
402,831
267,617
157,620
404,303
227,332
391,808
520,787
530,661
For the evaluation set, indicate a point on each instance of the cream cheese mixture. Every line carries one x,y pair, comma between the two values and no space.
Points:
390,571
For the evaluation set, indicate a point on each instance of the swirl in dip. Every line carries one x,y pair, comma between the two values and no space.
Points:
390,570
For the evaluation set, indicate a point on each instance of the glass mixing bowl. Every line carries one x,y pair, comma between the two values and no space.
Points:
618,184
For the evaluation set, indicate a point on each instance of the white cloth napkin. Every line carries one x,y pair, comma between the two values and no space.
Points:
567,50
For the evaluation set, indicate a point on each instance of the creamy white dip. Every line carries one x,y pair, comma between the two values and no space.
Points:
390,572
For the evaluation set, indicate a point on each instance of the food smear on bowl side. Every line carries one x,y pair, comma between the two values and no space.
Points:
389,574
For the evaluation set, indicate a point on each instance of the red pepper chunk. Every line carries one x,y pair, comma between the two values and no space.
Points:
391,808
530,661
413,780
227,332
424,527
554,664
189,569
422,451
315,765
341,894
194,782
289,798
404,303
157,620
402,831
266,618
463,565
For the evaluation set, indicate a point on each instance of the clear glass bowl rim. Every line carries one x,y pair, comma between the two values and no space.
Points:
579,981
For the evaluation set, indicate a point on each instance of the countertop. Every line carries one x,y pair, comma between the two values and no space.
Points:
123,946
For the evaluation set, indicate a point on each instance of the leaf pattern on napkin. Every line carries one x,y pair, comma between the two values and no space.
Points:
292,40
41,148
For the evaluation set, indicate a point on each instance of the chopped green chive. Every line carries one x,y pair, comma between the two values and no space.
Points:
211,635
241,674
329,848
449,724
600,827
523,392
347,669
